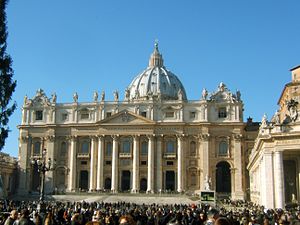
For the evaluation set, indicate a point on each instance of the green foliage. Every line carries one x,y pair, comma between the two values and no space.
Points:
7,84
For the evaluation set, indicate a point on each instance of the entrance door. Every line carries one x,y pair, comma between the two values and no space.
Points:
290,180
170,180
125,182
107,184
36,179
84,180
143,185
223,177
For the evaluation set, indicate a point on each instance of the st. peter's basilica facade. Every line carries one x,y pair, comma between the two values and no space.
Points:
154,140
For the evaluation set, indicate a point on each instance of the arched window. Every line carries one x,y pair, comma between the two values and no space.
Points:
63,149
170,146
223,148
85,147
108,148
144,148
193,148
37,148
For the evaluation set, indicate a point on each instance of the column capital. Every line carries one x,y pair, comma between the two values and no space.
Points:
136,136
24,139
50,138
150,136
100,137
115,137
181,136
204,137
93,137
237,137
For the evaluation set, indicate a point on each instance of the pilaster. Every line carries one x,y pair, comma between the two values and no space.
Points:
114,166
72,165
135,165
100,160
92,164
150,180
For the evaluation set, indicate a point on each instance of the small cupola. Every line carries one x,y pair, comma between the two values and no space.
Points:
156,58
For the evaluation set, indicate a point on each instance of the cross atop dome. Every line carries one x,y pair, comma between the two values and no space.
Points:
156,58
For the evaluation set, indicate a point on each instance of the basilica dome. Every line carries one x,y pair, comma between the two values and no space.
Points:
156,82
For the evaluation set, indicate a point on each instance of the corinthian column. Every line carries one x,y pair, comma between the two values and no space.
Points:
179,164
72,165
92,164
100,163
114,165
150,180
135,165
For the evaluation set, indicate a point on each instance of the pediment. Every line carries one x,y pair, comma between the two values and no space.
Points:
39,100
126,118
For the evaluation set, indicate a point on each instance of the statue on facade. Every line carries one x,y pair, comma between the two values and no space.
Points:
127,94
95,96
136,94
204,94
75,97
207,183
25,99
53,97
292,107
277,117
264,121
238,95
102,96
116,95
180,94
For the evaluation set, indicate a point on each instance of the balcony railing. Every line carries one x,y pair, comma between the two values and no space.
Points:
170,155
124,155
83,155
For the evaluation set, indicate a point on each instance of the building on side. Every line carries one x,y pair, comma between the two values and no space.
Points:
274,162
154,140
8,175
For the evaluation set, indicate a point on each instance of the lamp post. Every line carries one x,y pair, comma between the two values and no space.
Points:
43,165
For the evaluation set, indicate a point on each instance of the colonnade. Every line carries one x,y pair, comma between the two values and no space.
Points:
97,160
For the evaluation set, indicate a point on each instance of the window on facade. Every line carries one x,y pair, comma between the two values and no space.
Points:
64,116
170,147
107,162
192,115
83,162
193,179
143,163
223,148
84,115
170,163
37,148
108,114
144,148
63,149
85,147
126,146
169,114
39,115
222,112
144,114
193,148
108,149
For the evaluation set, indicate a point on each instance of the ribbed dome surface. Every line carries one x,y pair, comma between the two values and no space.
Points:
156,82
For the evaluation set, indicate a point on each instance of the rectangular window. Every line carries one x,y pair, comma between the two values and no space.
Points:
39,115
126,146
144,163
144,114
222,112
169,114
108,114
83,163
107,162
108,149
192,115
85,116
170,163
64,116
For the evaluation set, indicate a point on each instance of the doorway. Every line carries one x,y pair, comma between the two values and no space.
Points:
170,180
125,180
223,177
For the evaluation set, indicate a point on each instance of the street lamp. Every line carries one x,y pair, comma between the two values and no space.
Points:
43,166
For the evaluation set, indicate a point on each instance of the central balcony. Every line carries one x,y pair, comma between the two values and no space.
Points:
170,155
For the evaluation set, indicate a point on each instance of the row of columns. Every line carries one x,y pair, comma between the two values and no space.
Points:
272,180
96,170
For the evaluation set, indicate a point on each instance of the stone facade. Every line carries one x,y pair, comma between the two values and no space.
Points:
8,174
274,162
155,140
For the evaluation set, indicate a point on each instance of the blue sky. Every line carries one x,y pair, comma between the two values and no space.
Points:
65,46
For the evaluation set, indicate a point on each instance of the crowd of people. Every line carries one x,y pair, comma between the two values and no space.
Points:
122,213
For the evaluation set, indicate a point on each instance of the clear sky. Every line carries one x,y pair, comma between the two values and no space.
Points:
65,46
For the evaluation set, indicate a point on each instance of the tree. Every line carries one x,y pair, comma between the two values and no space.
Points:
7,84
